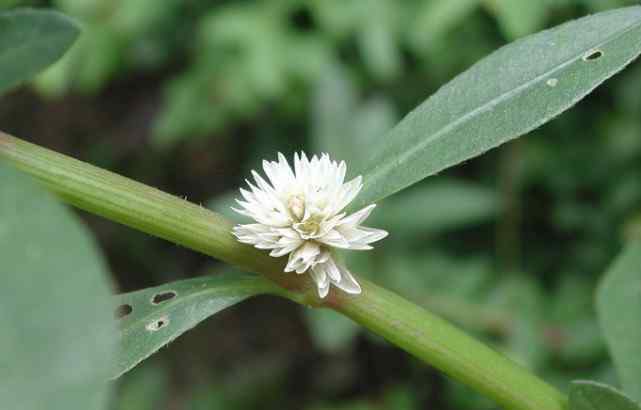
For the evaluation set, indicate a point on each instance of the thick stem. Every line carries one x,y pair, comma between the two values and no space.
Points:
144,208
447,348
401,322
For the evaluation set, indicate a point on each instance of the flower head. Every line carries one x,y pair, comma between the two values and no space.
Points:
300,212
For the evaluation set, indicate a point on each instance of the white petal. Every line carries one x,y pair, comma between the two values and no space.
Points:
374,234
347,282
324,257
303,257
278,252
301,167
340,174
358,217
285,169
329,224
323,289
332,270
320,276
347,193
334,239
262,184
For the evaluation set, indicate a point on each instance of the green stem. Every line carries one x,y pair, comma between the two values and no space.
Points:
447,348
142,207
474,316
401,322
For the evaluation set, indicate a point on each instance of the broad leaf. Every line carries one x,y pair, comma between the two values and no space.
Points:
151,318
586,395
514,90
57,332
31,40
619,309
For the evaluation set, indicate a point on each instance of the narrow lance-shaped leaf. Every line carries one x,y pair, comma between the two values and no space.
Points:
511,92
31,40
586,395
619,310
57,335
151,318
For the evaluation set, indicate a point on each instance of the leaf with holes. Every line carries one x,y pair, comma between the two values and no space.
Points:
619,310
31,40
511,92
57,339
151,318
587,395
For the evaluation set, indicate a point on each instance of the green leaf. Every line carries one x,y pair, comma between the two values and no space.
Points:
511,92
587,395
619,310
151,318
31,40
57,336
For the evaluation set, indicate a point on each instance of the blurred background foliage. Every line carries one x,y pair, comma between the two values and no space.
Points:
189,95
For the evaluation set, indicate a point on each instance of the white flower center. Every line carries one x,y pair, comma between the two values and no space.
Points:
310,228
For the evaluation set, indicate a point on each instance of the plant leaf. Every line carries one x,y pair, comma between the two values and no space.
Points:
31,40
619,310
512,91
588,395
153,317
57,332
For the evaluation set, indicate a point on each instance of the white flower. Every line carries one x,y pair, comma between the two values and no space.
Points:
299,213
